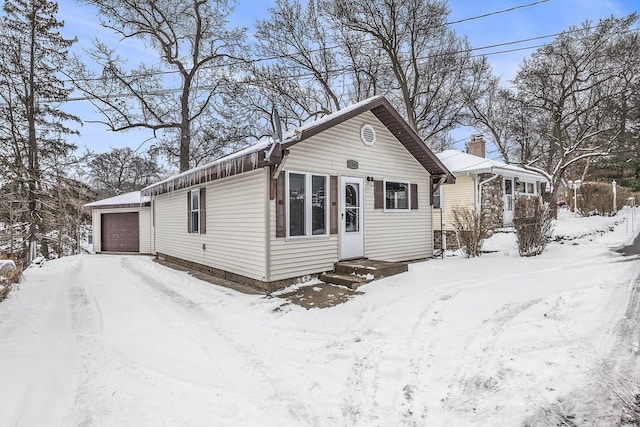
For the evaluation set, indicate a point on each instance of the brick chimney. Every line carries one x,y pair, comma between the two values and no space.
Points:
476,146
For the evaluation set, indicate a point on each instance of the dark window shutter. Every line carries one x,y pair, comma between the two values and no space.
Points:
378,194
414,196
281,230
333,209
189,229
203,210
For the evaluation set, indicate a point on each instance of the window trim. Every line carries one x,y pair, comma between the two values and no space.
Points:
308,206
195,224
527,182
384,194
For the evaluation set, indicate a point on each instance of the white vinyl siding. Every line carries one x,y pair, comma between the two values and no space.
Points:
235,237
387,237
145,231
455,195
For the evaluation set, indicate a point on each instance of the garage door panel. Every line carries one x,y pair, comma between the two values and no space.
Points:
120,232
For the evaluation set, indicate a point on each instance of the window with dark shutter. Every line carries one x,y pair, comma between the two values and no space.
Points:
395,195
196,212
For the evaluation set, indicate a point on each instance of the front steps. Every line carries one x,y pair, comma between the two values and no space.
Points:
360,271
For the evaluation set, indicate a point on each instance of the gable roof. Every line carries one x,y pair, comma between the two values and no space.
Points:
254,156
126,200
461,163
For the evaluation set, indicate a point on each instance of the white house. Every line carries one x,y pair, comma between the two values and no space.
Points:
356,183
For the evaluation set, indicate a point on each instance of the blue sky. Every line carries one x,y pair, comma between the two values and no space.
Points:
545,18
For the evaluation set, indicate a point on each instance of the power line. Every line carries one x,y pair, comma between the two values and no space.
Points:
486,15
311,51
348,70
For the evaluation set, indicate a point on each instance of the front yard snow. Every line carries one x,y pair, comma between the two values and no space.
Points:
495,340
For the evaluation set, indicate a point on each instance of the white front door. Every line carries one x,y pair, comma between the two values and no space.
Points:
351,224
508,201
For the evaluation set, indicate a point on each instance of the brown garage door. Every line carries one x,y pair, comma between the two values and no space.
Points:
120,232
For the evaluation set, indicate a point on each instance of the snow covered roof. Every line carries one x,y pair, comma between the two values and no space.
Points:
254,156
131,199
460,163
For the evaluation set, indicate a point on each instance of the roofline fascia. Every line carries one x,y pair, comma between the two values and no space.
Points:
117,206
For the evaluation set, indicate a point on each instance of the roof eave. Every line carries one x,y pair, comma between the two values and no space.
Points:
90,207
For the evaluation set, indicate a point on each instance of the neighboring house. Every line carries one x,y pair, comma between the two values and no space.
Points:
482,184
356,183
122,224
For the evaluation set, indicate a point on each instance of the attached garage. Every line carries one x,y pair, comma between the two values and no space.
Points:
122,224
120,232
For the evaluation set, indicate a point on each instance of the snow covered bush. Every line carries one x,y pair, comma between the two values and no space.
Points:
532,220
471,229
10,274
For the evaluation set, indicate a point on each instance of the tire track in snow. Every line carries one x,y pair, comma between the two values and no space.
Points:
360,400
477,381
101,365
364,380
86,326
262,371
412,407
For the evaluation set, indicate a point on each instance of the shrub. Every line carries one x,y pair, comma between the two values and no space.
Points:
471,230
596,198
532,220
8,280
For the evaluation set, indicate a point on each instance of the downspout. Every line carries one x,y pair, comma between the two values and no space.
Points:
443,234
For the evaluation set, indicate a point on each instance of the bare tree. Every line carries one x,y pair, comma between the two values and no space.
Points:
570,88
193,42
431,66
300,68
32,126
571,104
122,170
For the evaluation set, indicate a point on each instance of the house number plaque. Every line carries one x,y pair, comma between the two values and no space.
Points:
352,164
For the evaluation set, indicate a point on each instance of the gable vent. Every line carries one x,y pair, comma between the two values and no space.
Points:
367,134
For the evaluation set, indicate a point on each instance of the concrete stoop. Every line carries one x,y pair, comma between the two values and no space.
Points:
355,273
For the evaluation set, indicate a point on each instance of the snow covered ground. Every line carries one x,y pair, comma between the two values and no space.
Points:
496,340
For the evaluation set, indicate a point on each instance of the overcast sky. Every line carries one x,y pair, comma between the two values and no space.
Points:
545,18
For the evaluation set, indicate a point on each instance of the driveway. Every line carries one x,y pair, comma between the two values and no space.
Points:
122,340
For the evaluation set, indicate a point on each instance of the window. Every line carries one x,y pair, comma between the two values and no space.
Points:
396,194
437,196
307,210
526,188
195,211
